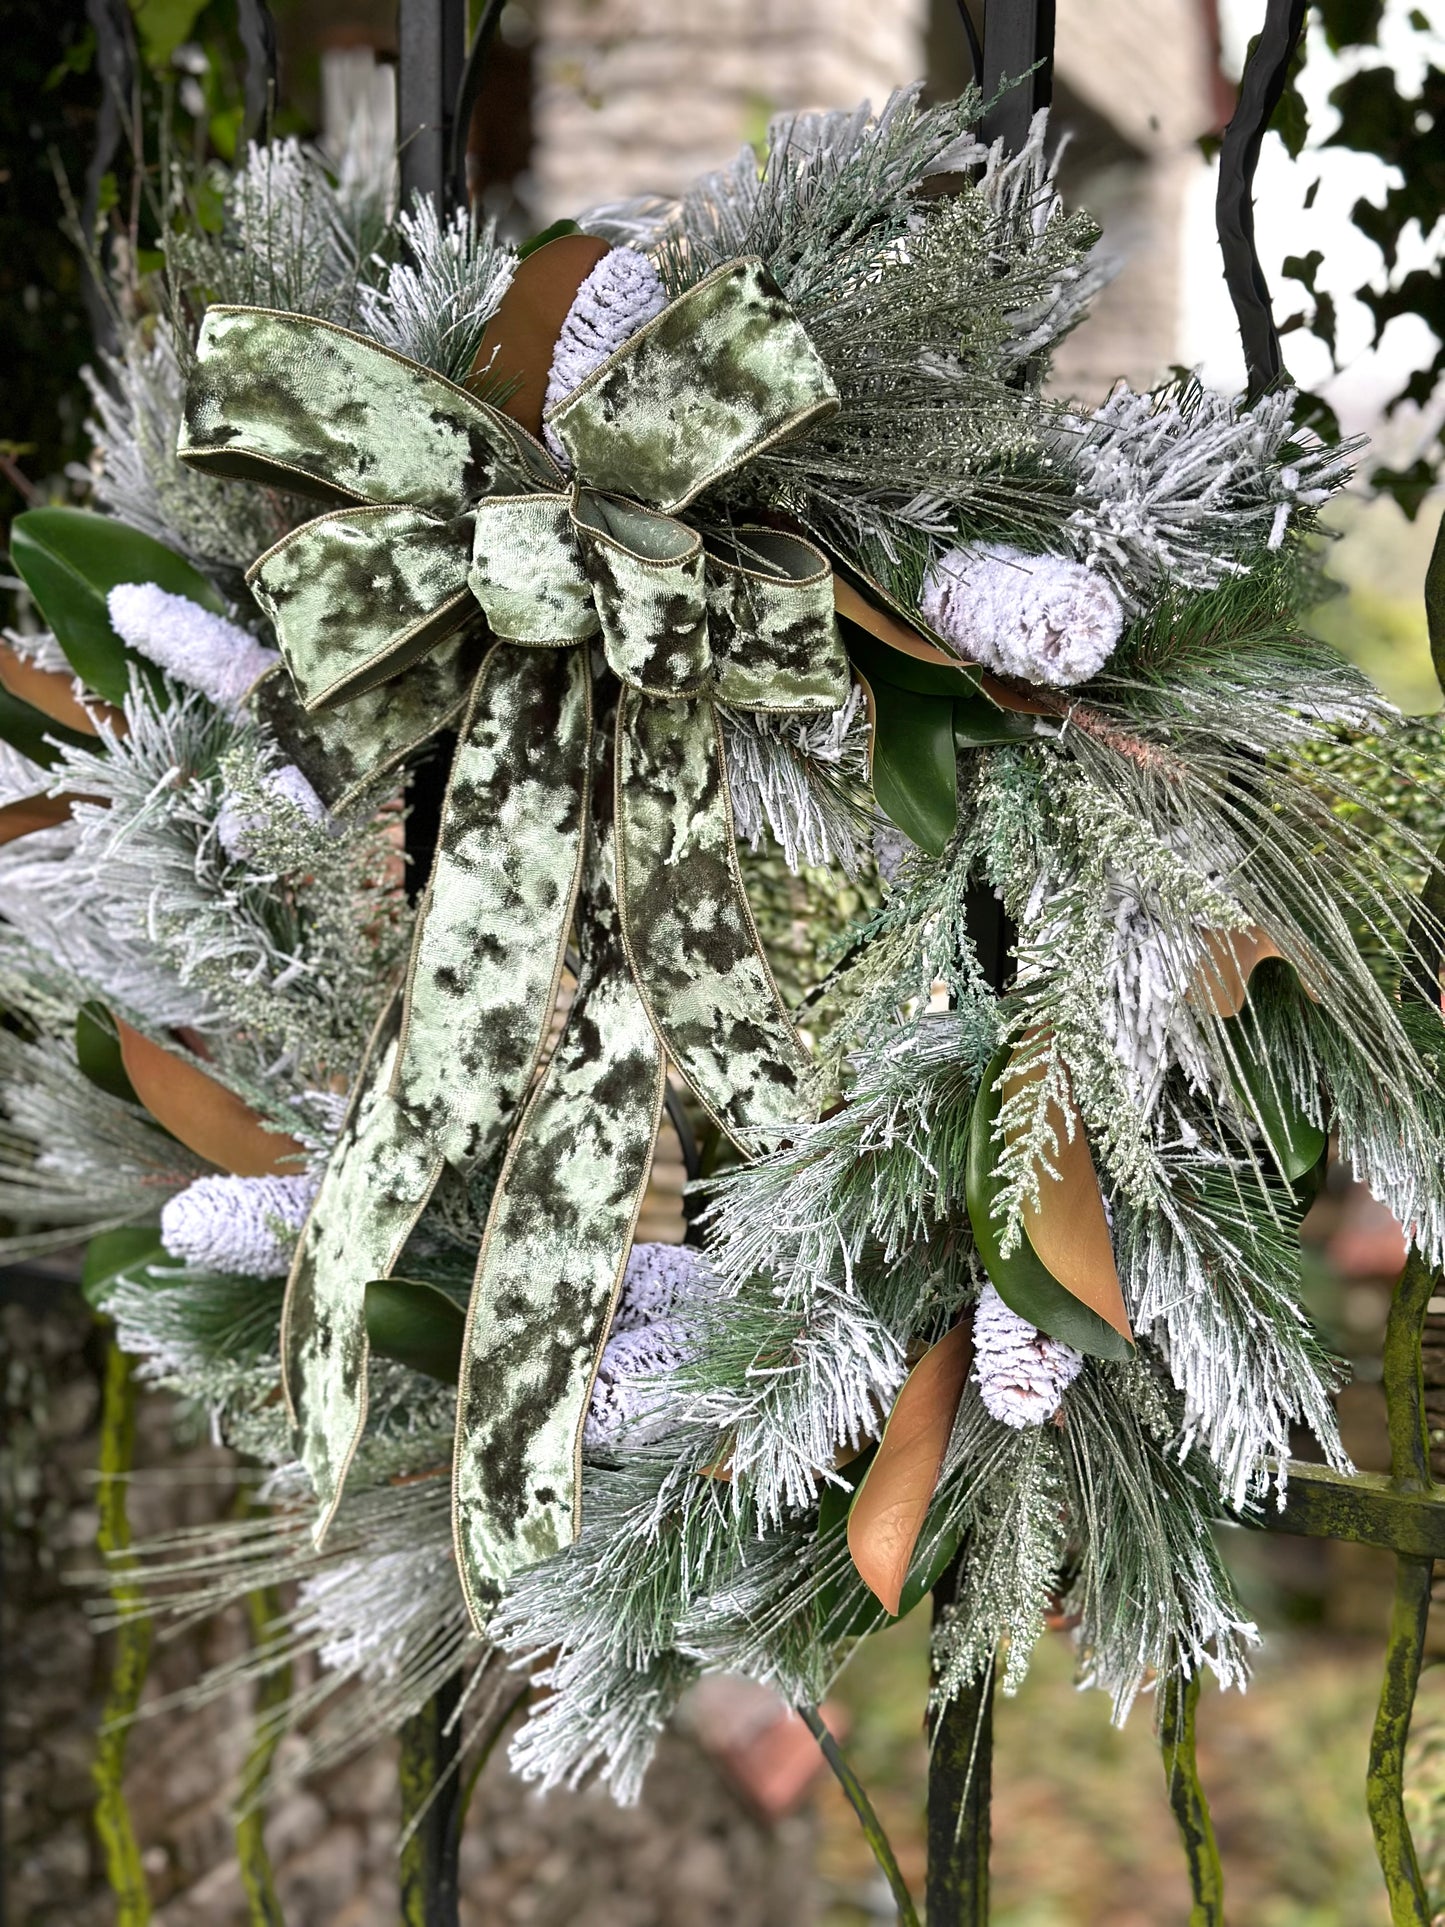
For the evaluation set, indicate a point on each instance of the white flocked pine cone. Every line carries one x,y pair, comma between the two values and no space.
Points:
1040,618
649,1337
243,1227
622,293
199,649
1021,1374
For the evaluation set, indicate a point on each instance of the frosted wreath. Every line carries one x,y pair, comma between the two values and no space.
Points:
838,626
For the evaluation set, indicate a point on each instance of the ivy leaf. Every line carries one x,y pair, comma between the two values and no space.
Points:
70,560
417,1324
164,25
1022,1280
127,1251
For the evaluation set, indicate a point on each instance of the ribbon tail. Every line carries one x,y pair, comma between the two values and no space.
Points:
690,936
451,1062
378,1181
551,1264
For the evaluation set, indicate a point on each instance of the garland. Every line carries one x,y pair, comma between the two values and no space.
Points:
728,539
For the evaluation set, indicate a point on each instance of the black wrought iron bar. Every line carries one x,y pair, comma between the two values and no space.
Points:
431,57
431,40
469,92
960,1789
431,1811
258,43
1260,90
115,65
1018,46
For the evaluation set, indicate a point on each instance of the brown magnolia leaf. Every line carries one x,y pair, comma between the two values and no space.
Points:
1018,700
52,692
887,1515
1067,1227
206,1117
886,627
520,337
891,629
32,813
1220,983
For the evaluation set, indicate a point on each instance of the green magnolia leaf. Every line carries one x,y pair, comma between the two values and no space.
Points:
977,722
880,664
25,728
417,1324
71,559
553,233
1021,1279
128,1251
1296,1143
97,1051
915,766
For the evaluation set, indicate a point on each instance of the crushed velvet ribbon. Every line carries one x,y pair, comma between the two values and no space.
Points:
588,784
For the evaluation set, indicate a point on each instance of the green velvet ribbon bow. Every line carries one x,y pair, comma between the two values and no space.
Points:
588,785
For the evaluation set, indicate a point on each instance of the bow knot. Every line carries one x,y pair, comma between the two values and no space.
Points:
575,795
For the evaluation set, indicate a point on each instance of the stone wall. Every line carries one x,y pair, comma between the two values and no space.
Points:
692,1854
636,96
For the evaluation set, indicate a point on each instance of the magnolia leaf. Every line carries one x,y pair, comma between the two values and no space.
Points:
1068,1227
915,767
71,559
1296,1143
98,1052
1219,983
31,813
52,692
198,1110
1022,1279
417,1324
517,346
867,1616
129,1250
1221,986
553,233
31,731
887,650
978,722
892,1503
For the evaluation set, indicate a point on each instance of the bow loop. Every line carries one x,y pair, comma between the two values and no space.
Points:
770,611
301,404
358,596
725,371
